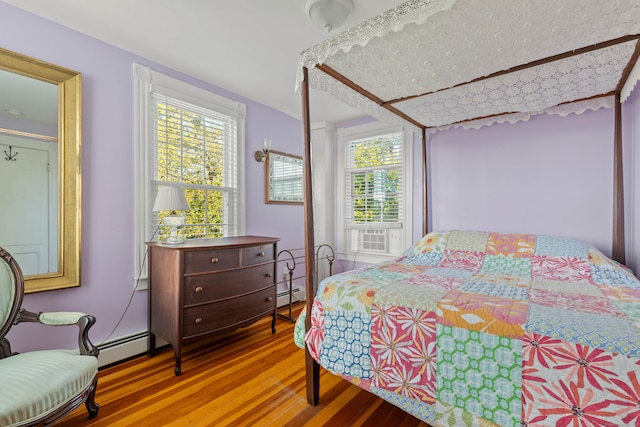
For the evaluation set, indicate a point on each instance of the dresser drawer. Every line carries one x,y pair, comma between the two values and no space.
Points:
227,314
205,260
226,284
257,254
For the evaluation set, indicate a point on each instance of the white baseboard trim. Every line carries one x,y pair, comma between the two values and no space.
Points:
124,348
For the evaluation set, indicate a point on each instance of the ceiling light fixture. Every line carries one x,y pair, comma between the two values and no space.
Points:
328,14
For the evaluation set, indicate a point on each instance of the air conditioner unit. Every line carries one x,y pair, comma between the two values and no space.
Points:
373,240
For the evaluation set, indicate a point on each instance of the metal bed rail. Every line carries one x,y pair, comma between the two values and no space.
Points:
293,259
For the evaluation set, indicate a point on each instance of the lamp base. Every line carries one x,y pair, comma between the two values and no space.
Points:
173,221
174,240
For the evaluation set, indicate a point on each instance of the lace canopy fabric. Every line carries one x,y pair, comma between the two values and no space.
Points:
447,63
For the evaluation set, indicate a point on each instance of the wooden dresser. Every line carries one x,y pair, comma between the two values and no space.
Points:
209,286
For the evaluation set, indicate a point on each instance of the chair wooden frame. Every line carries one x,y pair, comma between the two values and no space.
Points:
16,315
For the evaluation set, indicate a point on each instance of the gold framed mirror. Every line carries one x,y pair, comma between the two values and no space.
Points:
283,178
63,269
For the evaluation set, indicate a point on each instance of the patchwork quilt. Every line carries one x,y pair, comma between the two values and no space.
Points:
479,329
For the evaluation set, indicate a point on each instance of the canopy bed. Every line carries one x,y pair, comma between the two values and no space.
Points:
441,64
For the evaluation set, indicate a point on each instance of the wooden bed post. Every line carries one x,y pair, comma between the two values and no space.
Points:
312,367
425,185
618,187
618,250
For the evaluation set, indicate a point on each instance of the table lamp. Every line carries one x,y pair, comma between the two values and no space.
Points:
171,199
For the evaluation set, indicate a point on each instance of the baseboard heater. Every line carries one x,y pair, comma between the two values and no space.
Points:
283,296
123,348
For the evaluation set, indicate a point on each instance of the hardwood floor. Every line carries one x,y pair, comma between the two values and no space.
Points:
249,377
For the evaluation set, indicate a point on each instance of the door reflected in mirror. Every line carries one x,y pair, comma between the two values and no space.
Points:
40,129
29,172
283,178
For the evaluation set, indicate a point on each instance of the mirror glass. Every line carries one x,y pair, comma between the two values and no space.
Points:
29,169
283,178
39,168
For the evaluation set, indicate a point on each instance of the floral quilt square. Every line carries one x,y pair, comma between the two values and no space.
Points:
561,247
484,313
403,351
577,302
595,330
506,266
564,287
630,309
571,384
402,269
427,258
449,272
437,282
354,295
606,275
432,242
407,295
621,294
596,257
384,272
503,279
463,260
473,241
511,245
480,373
569,269
494,289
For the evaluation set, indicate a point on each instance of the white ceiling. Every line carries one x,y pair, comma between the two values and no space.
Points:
249,47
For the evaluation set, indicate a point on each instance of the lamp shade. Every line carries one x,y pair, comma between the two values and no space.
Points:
170,199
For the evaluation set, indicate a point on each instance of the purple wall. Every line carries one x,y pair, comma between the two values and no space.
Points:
108,174
550,175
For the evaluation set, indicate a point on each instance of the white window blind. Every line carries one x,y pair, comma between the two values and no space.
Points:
374,182
375,192
196,148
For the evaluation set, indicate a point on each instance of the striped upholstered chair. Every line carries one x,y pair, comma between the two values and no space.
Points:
40,387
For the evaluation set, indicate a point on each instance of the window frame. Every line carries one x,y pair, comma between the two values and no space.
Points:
147,81
371,130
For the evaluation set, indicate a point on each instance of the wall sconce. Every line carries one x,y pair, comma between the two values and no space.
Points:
261,155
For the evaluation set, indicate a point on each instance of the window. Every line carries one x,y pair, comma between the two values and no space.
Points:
375,179
196,149
193,139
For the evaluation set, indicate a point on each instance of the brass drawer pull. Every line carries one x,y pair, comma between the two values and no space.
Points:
269,299
261,254
198,320
214,260
269,275
198,289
